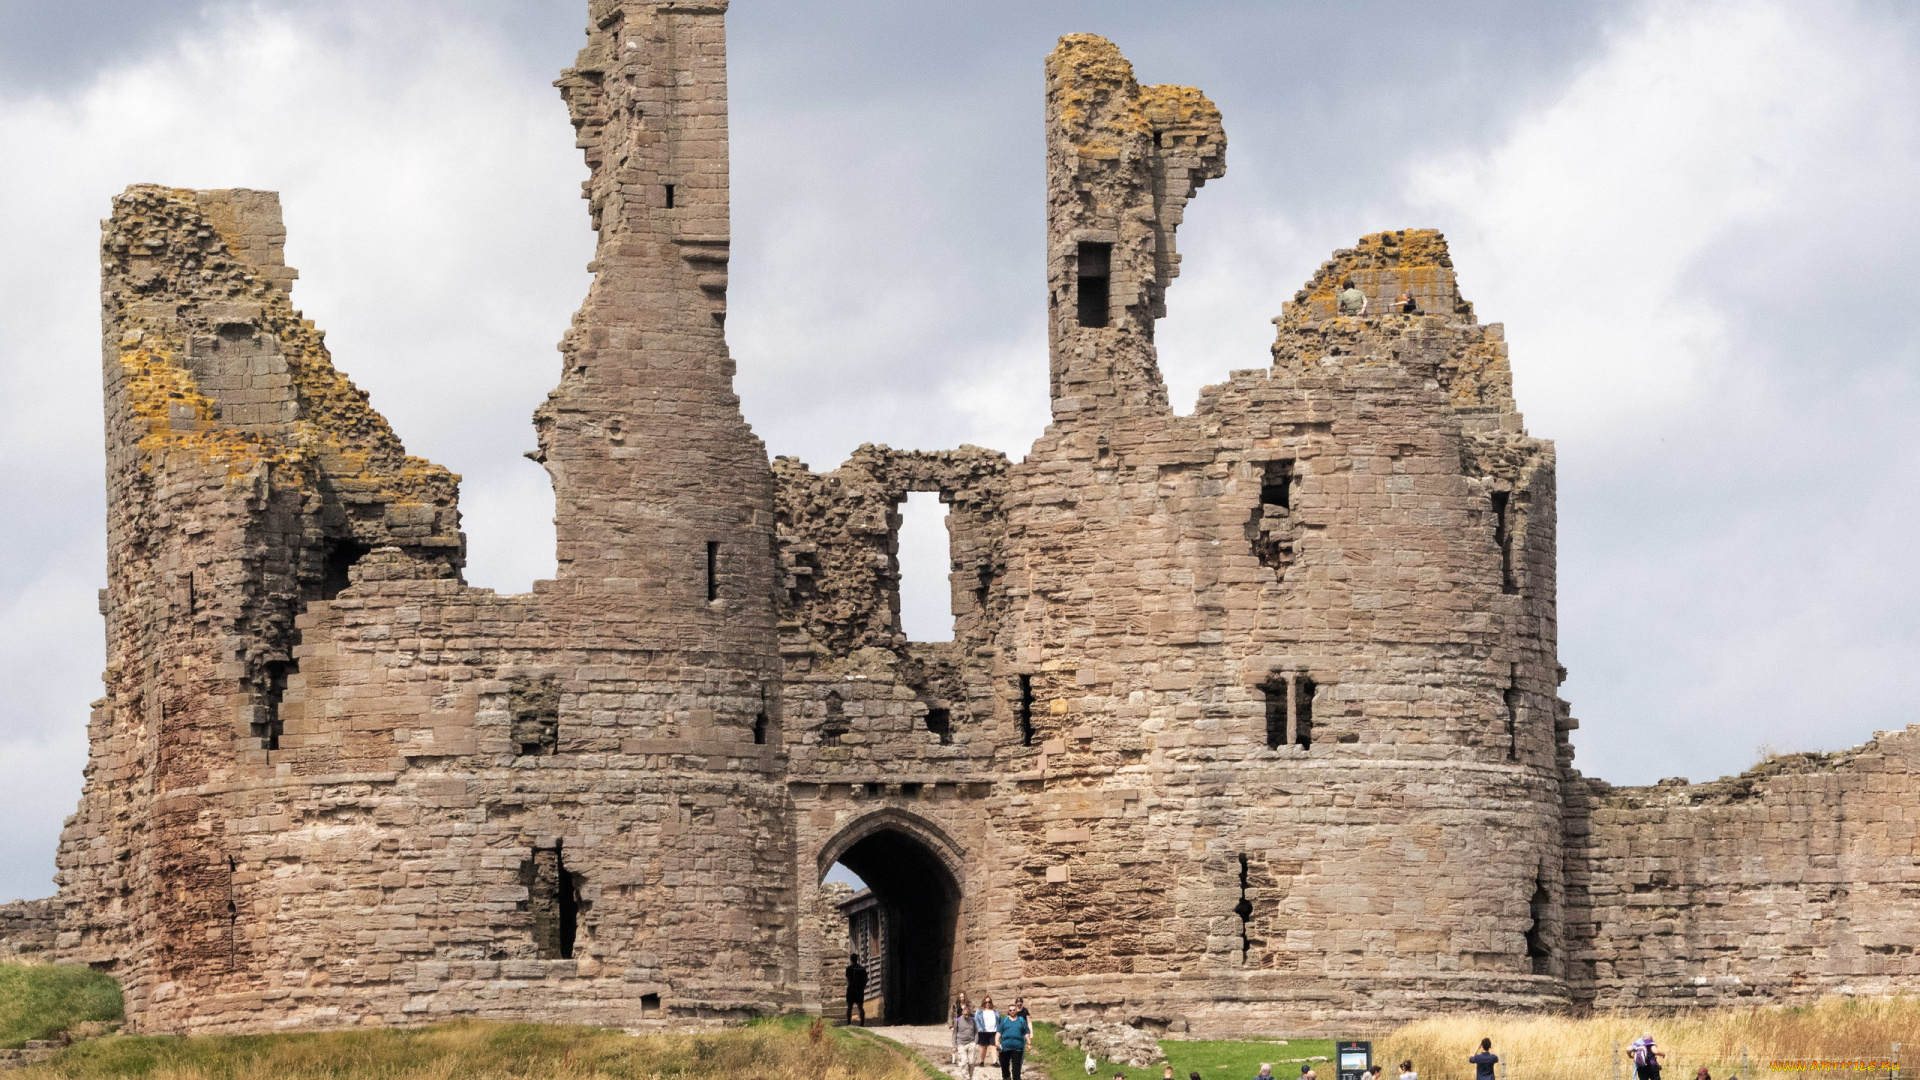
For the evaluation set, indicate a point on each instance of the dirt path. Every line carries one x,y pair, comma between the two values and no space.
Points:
933,1042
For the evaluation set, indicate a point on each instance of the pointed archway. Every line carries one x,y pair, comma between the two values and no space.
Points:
911,869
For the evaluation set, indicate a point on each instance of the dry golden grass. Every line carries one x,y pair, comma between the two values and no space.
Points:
1730,1042
787,1049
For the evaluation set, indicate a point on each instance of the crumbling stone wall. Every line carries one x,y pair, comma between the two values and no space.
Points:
1794,879
1249,723
28,928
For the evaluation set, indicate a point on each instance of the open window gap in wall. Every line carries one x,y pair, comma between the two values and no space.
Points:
268,725
1094,290
1244,909
923,551
1503,536
553,898
1025,710
713,570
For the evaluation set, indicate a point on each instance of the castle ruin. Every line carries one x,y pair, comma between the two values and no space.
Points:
1248,724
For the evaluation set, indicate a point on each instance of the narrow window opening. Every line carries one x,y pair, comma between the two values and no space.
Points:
1095,292
1270,530
1537,949
1159,139
713,570
1511,697
337,572
669,196
1244,909
760,728
233,917
873,791
268,726
940,722
1503,536
1026,710
1276,693
553,898
193,603
534,708
1303,691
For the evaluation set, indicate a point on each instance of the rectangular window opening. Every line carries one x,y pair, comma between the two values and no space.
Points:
923,557
1276,483
1511,698
669,196
649,1004
269,727
553,898
713,570
1276,693
760,728
1270,530
1094,291
1303,691
1503,536
1244,909
1026,710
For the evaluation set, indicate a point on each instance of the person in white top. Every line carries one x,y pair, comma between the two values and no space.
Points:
987,1023
1406,1071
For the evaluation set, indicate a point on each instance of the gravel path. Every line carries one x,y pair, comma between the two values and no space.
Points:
932,1041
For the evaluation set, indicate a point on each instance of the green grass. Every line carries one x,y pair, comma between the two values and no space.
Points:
39,1001
1212,1060
789,1048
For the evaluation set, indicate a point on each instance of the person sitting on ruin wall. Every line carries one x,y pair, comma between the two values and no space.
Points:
1352,300
1407,304
856,990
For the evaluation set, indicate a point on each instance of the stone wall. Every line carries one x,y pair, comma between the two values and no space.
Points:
28,928
1794,879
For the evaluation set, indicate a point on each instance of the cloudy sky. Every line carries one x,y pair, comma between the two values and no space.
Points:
1696,219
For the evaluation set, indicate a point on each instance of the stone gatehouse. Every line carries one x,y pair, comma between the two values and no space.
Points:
1248,723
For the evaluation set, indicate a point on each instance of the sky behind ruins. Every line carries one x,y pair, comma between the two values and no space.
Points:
1695,219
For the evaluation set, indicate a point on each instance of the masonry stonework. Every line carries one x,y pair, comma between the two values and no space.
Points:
1249,721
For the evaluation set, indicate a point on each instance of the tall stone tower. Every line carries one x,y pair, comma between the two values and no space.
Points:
333,784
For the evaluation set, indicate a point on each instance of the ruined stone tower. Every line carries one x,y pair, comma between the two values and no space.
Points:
1248,724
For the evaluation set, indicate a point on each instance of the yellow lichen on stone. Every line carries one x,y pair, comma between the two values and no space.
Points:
176,416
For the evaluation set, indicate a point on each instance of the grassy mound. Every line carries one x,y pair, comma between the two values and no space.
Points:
1729,1042
39,1001
784,1049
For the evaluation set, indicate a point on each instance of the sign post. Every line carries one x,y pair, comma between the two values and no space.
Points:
1353,1059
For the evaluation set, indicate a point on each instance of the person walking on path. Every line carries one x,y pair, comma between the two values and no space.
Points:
987,1023
1646,1059
1015,1029
856,990
965,1032
1484,1061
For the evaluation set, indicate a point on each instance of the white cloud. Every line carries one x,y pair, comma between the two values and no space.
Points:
1690,248
430,188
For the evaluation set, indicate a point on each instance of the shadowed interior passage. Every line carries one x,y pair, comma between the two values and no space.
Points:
919,910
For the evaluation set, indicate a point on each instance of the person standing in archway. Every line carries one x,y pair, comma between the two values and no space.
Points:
856,989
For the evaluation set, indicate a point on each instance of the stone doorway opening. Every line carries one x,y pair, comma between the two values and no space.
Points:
902,925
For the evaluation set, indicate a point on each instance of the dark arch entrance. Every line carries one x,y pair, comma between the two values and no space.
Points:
919,904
